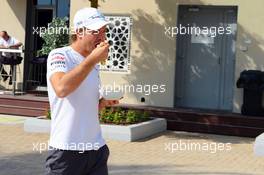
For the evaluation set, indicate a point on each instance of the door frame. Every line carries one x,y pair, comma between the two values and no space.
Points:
29,38
36,21
181,52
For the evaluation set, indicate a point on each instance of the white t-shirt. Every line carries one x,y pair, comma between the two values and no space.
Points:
75,122
10,42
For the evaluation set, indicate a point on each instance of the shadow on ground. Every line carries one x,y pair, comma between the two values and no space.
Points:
26,164
33,164
178,135
161,170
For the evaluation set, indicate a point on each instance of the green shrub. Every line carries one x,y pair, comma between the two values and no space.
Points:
48,114
54,36
117,116
122,117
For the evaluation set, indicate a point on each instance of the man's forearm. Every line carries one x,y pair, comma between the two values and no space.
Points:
2,47
16,46
72,80
66,83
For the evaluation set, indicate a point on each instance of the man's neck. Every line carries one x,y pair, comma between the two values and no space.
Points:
80,50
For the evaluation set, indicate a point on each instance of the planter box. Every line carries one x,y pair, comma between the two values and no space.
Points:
135,131
113,132
258,145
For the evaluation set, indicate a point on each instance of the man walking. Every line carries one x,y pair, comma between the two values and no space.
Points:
76,143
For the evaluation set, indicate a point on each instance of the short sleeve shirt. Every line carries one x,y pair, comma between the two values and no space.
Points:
10,42
75,122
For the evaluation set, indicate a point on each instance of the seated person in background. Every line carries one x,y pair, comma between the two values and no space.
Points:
8,42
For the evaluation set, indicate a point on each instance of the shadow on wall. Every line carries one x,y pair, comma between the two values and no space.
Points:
17,8
1,87
251,59
153,62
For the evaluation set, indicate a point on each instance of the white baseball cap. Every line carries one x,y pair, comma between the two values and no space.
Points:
90,18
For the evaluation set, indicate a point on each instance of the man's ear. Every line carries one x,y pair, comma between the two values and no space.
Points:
79,35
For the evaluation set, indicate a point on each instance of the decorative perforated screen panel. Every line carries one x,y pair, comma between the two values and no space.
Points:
119,36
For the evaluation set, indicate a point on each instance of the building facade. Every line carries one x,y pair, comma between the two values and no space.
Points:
167,68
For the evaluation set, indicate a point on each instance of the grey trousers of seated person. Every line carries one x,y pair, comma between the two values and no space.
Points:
65,162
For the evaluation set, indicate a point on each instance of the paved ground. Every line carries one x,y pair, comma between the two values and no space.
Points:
152,156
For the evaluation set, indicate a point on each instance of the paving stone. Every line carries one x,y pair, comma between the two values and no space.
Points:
145,157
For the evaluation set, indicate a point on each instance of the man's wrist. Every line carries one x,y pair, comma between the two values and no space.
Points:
88,62
91,60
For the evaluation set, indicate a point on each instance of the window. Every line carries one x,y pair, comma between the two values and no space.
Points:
63,8
119,36
44,2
